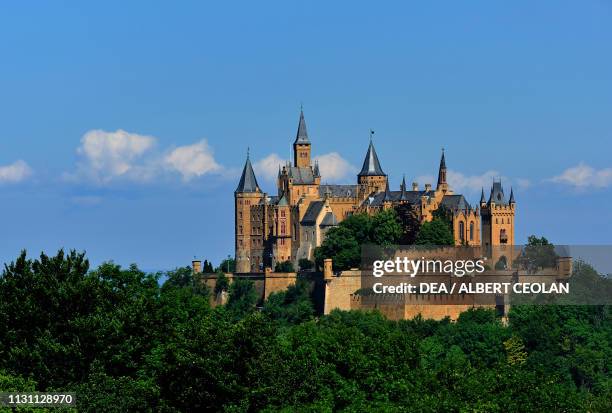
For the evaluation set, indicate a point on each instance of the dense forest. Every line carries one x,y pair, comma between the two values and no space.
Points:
123,341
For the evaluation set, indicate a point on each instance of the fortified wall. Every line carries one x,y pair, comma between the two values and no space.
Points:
346,290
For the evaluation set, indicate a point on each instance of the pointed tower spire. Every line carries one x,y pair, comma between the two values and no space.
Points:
482,197
248,182
301,145
371,164
302,134
387,197
497,193
316,169
511,196
442,171
403,195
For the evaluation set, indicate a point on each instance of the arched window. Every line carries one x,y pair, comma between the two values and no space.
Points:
472,231
503,237
461,231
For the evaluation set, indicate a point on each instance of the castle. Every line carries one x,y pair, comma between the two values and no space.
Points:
288,226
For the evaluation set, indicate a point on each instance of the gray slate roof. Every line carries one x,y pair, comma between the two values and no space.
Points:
283,201
454,202
329,220
301,175
394,196
338,191
497,194
302,135
371,164
313,211
248,182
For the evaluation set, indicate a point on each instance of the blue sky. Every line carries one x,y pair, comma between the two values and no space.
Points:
124,125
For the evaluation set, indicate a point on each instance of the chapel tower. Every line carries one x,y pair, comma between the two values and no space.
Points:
442,184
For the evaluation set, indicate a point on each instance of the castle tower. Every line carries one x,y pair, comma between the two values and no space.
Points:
301,146
282,220
246,195
371,178
442,184
497,217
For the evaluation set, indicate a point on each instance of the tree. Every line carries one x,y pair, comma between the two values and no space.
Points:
386,229
537,254
207,267
292,306
342,243
410,223
180,277
123,343
222,283
227,265
360,227
102,392
242,297
433,233
501,264
285,266
515,351
185,278
305,264
341,246
445,215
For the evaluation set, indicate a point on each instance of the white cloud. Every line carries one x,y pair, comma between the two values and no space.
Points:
110,155
584,176
122,156
267,167
334,167
421,180
192,160
15,172
523,183
460,182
